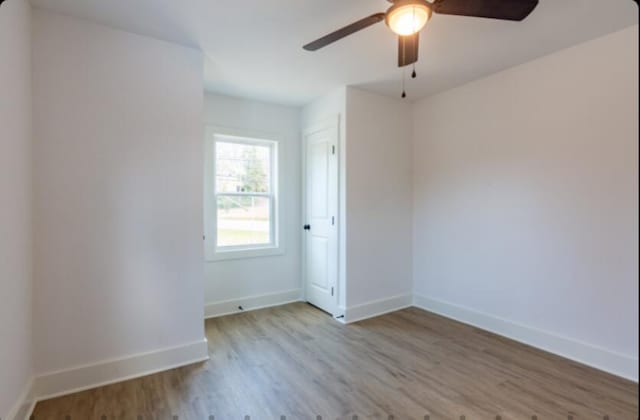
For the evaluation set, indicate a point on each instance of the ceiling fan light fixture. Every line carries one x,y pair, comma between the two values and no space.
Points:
407,17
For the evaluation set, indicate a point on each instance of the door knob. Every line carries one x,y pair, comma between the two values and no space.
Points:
307,227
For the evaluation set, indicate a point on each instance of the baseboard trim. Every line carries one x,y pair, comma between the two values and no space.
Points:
82,378
23,406
596,357
376,308
251,303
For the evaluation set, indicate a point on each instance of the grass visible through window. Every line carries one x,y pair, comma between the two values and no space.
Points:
243,221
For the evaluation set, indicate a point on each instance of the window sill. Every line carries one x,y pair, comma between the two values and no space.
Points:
238,254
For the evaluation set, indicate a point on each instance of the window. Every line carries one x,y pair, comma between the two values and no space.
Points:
240,197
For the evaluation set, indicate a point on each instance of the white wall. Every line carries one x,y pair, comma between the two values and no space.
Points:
15,207
246,281
526,200
379,195
118,193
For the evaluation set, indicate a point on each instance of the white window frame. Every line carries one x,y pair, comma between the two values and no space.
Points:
212,251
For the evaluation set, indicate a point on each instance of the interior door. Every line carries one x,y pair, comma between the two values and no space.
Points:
320,218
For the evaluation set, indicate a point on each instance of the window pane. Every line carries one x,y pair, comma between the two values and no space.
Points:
244,221
242,168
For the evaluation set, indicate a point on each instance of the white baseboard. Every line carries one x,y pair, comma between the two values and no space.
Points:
68,381
81,378
23,406
376,308
251,303
599,358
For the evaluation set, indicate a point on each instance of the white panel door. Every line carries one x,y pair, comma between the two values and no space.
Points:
321,223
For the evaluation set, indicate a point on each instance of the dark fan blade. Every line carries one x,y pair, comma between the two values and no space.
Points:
408,49
494,9
341,33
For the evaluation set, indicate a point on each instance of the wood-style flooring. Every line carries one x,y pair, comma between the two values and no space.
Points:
295,361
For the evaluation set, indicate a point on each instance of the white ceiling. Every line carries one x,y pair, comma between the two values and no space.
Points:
254,47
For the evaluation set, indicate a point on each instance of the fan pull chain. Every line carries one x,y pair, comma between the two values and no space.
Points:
413,73
404,92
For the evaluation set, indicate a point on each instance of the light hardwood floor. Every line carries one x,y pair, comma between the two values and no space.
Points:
295,361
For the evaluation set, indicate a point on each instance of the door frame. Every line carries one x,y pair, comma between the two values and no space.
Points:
331,123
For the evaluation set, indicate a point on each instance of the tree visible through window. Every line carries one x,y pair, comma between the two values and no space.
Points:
244,193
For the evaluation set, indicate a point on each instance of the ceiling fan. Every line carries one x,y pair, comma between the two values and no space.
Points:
407,18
